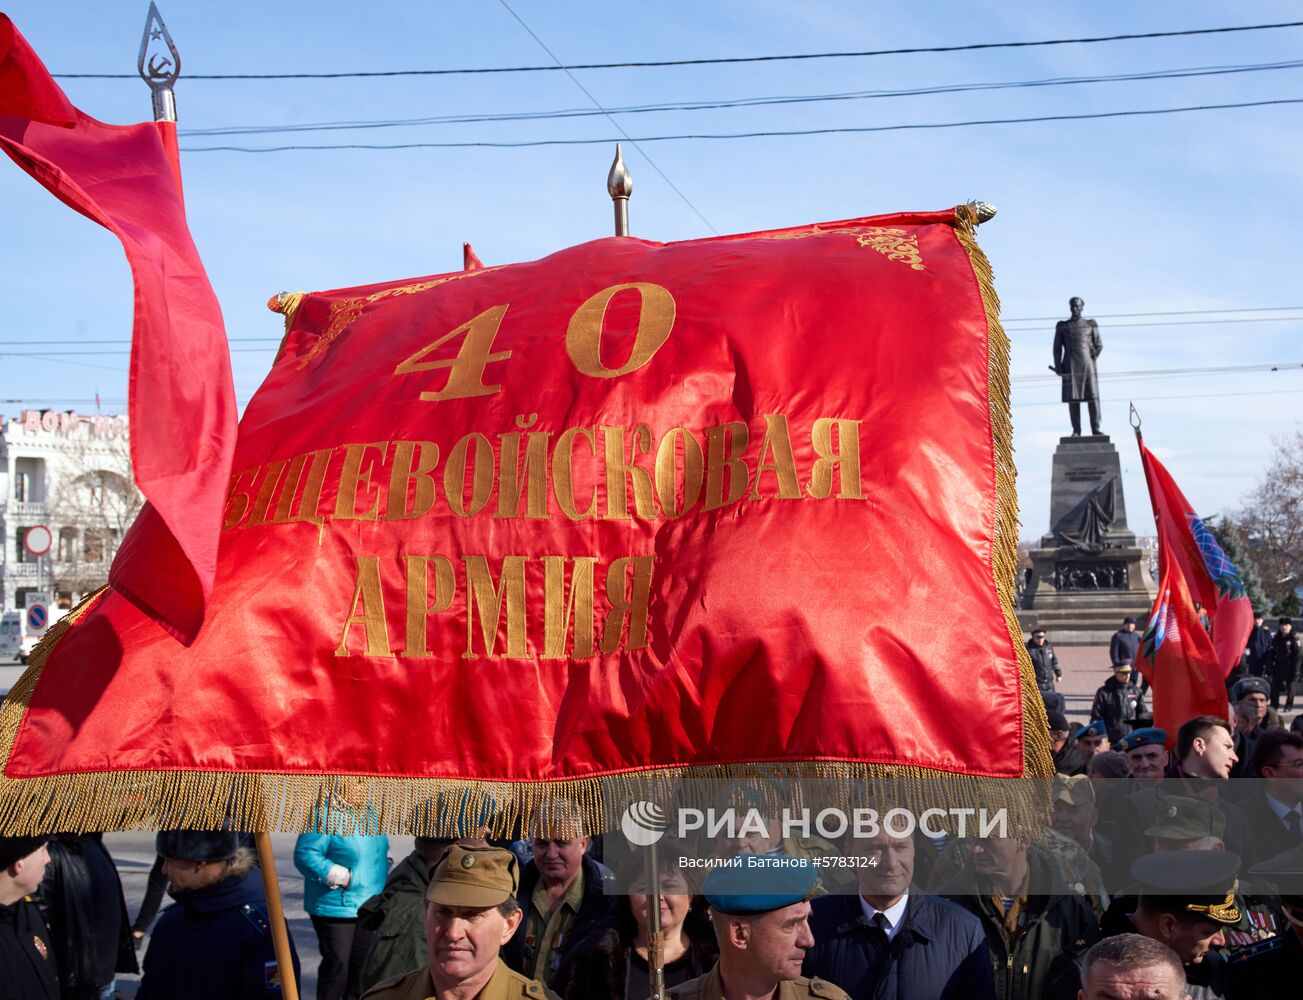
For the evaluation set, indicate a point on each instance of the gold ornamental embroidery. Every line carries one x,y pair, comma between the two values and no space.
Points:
894,244
345,312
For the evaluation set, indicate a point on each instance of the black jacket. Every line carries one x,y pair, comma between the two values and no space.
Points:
1040,961
939,953
1123,646
1267,834
599,967
81,898
1256,650
1285,656
26,973
1045,663
1117,705
594,911
214,943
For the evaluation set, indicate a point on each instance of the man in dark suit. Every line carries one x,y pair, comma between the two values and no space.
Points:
892,942
1274,810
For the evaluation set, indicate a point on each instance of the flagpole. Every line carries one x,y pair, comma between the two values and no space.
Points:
655,935
280,937
159,70
619,185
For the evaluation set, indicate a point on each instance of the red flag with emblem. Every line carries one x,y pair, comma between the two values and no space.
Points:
1187,548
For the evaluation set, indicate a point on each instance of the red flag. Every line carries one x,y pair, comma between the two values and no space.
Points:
634,509
181,400
1188,549
470,260
1177,657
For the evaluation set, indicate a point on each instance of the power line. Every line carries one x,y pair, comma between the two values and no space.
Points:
634,142
1197,395
847,130
1265,366
714,61
1176,322
723,104
1164,312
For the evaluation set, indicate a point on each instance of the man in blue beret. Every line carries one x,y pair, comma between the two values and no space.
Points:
1146,753
760,910
1089,740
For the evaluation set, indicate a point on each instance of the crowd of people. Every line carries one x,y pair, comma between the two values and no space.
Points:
1166,874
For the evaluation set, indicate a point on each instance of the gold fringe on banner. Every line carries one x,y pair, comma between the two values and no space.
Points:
123,800
1037,753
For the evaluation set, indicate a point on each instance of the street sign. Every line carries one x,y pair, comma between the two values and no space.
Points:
37,604
37,540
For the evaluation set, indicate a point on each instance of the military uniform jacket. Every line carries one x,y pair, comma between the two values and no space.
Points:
505,985
27,969
1285,656
711,987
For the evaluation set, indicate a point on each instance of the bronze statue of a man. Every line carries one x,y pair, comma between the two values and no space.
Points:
1076,346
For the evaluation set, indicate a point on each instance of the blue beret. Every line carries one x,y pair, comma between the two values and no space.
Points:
750,884
1097,726
1149,736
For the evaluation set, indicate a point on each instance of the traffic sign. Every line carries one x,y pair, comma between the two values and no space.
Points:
37,540
38,616
37,604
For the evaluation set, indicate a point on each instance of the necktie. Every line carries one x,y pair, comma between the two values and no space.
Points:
1292,824
878,929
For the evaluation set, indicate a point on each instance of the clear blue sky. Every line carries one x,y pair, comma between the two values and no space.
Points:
1149,214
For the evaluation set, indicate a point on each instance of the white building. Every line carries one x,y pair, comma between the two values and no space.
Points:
72,474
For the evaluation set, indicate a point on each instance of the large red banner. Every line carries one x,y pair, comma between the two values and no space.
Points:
631,506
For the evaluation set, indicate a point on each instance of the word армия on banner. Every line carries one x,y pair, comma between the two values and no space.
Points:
400,480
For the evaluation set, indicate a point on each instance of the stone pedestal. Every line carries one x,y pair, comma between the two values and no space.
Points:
1086,576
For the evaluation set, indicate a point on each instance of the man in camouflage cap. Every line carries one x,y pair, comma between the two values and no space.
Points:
761,916
1187,823
471,912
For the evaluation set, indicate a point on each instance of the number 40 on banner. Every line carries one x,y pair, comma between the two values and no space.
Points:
583,342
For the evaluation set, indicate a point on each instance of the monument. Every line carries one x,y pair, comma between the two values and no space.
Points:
1088,571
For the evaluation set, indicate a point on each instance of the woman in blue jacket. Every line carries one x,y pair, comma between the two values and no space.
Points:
340,873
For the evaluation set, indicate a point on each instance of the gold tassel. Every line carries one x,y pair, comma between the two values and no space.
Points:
1038,758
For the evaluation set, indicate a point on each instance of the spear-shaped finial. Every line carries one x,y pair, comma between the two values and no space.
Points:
985,211
619,185
159,65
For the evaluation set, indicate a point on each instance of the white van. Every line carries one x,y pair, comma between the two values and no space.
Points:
15,640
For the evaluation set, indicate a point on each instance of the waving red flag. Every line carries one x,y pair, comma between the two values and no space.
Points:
1186,548
538,529
1177,658
181,399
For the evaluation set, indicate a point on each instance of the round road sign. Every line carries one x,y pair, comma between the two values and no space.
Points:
37,617
38,540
